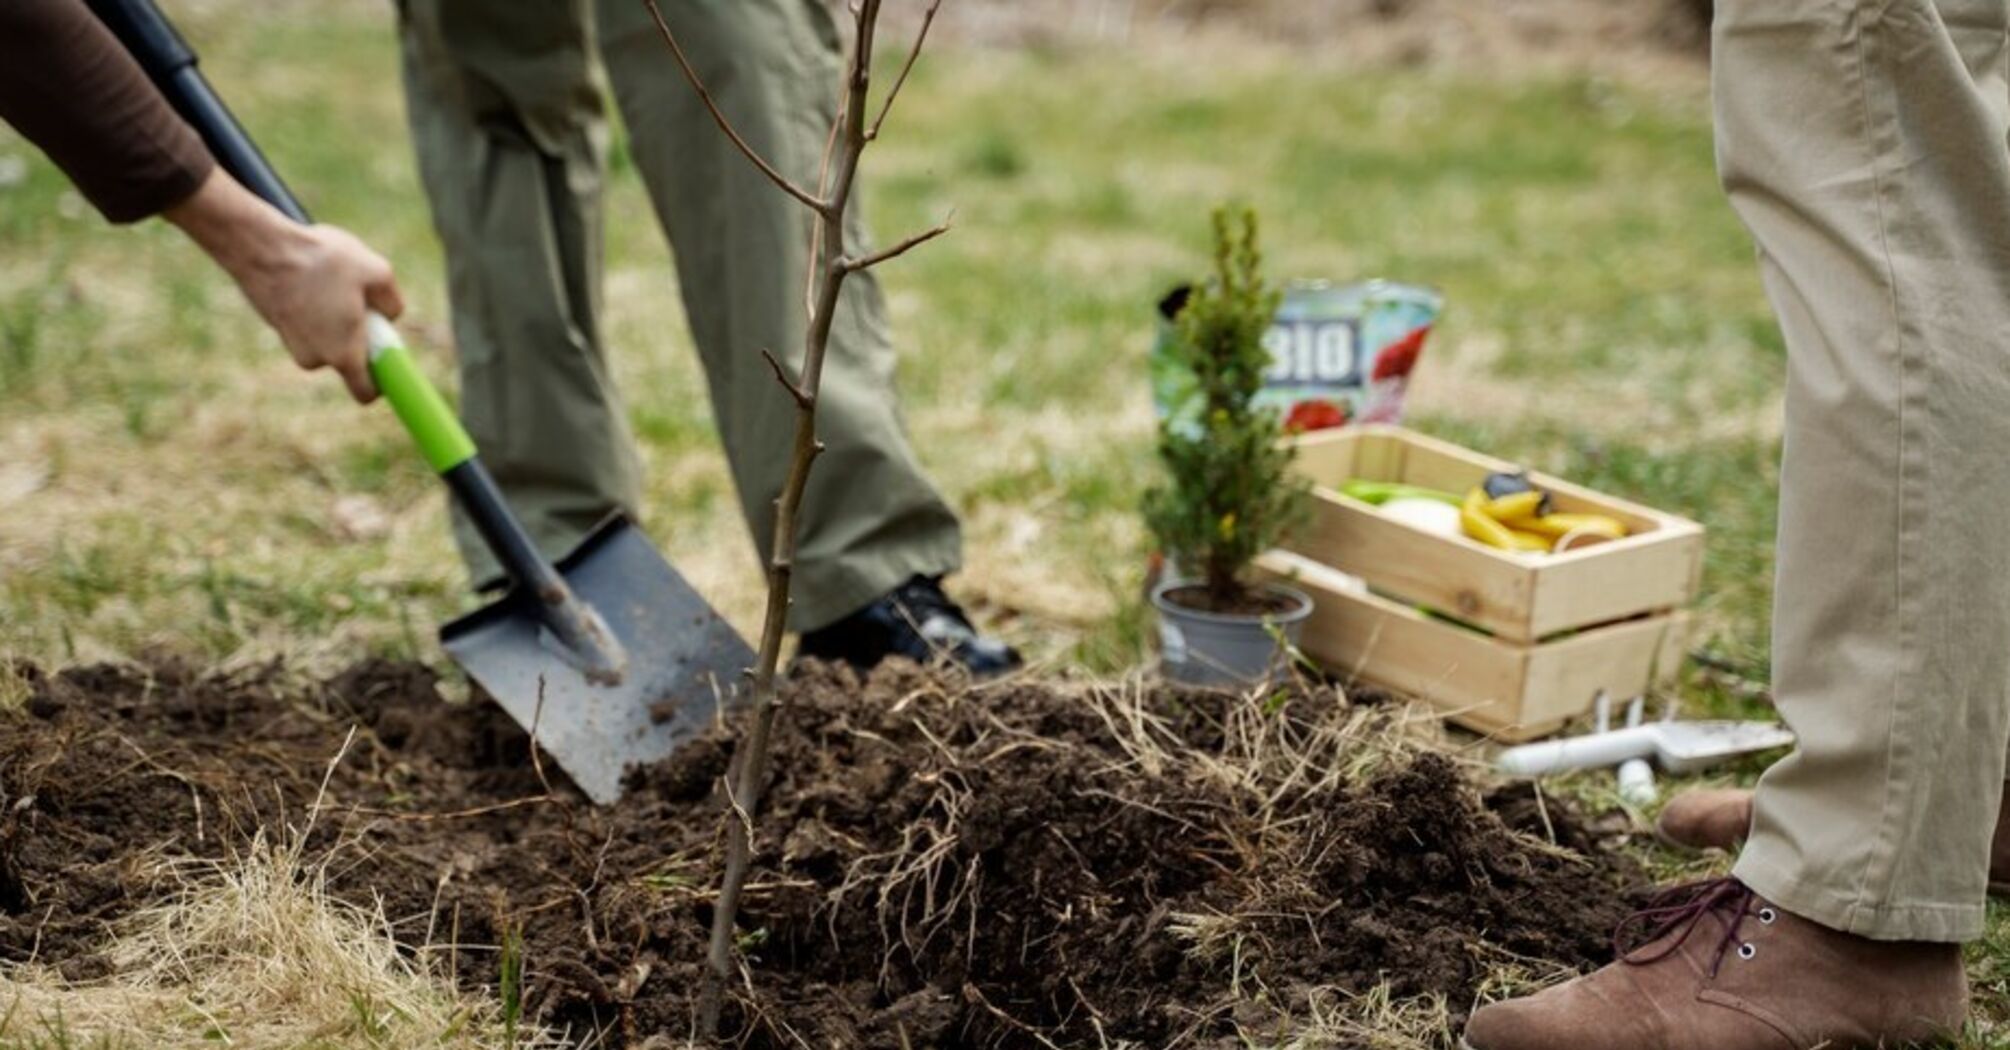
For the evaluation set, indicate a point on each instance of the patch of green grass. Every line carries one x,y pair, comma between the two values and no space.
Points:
50,1032
510,984
1989,983
993,154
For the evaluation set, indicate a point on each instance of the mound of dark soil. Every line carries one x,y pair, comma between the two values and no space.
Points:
1017,865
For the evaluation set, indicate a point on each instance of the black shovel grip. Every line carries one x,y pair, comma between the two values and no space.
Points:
171,64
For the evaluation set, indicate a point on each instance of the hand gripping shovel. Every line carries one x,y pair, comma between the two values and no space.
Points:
609,657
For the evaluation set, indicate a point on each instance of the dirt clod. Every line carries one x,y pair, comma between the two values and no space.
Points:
944,865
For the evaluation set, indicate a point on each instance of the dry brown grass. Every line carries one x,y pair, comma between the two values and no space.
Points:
13,687
1275,750
255,953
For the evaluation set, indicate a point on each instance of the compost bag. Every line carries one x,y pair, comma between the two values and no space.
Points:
1339,354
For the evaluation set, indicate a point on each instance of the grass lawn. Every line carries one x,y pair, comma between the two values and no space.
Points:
167,480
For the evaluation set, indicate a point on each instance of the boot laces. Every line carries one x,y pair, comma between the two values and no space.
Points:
1683,908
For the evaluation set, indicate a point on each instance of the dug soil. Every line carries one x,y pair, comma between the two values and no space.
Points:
1015,865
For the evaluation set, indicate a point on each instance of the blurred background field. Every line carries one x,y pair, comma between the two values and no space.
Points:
167,480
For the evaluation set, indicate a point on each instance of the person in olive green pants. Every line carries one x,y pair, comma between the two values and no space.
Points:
507,115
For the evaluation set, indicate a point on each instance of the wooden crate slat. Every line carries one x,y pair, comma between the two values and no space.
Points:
1506,690
1464,580
1393,646
1590,586
1329,454
1623,660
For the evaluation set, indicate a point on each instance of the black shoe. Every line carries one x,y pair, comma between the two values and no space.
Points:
915,620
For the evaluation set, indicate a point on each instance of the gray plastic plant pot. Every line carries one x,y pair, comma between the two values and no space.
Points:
1226,649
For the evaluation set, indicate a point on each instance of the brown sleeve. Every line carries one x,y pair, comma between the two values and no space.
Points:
68,85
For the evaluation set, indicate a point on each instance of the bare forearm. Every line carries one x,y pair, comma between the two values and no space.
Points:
312,284
250,239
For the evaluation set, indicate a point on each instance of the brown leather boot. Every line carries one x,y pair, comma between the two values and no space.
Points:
1707,818
1721,818
1723,969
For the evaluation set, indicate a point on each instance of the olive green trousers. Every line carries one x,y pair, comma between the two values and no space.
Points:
507,115
1866,144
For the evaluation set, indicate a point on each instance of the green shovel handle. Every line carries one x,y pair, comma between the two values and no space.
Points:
432,424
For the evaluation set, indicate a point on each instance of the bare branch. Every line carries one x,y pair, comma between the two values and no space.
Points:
788,186
803,398
913,53
906,245
858,77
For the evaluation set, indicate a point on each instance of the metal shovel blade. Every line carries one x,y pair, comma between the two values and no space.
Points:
685,662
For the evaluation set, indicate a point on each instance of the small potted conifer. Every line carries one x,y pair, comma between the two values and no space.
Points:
1229,494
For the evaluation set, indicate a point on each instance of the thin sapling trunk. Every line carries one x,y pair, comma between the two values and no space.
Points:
831,262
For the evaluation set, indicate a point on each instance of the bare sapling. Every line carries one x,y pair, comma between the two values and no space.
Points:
831,261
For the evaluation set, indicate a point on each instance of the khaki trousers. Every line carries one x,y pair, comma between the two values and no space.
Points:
507,116
1864,144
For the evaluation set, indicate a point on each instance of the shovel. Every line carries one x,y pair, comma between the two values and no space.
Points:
609,658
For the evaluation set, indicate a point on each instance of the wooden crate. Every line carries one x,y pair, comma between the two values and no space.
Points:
1507,690
1509,595
1536,638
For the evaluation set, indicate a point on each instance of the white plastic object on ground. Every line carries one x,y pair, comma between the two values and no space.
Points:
1636,775
1296,566
1636,782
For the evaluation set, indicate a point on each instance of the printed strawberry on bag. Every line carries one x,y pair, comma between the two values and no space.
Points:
1315,415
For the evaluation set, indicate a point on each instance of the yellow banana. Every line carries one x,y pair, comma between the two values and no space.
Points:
1556,526
1531,541
1473,518
1516,507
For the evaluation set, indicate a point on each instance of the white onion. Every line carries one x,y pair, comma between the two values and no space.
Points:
1427,514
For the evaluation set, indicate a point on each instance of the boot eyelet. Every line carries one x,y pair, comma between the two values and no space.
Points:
1768,916
1746,951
